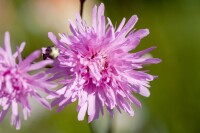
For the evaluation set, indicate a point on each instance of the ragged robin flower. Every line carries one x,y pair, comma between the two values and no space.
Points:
17,84
98,68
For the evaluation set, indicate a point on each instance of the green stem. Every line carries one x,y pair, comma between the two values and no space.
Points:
91,128
110,126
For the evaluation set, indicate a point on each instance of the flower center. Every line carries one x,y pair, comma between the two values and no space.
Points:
12,84
94,66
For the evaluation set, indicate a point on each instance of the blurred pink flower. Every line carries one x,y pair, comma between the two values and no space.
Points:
98,67
16,84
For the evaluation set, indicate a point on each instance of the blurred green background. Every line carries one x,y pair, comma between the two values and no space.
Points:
173,106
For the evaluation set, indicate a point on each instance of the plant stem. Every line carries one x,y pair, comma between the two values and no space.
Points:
81,10
91,128
110,126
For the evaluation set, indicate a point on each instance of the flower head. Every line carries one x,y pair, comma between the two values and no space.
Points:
98,67
16,84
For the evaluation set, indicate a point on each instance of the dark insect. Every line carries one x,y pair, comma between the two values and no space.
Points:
50,52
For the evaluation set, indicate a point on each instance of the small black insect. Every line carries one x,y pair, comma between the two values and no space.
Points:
50,52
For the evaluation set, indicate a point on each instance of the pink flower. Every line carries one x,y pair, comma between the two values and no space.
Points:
16,84
98,68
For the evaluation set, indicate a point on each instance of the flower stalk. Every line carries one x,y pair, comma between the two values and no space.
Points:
81,8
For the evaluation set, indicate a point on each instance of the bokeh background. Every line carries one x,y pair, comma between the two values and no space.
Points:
174,104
